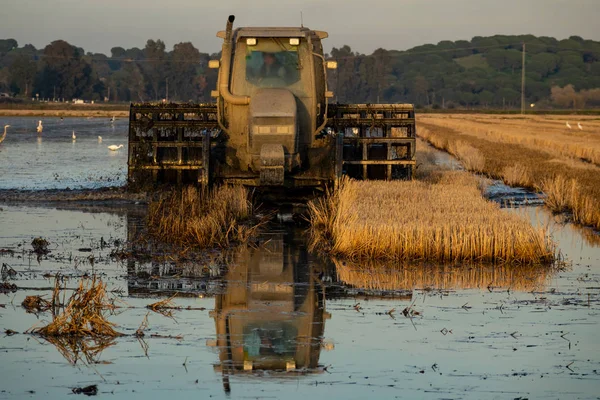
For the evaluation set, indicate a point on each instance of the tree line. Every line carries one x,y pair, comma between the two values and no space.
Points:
482,72
64,71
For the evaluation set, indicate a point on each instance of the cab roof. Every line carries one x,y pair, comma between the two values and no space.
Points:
274,32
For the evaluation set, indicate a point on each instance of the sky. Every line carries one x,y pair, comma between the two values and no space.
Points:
99,25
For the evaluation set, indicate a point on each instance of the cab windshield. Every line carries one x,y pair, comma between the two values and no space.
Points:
272,63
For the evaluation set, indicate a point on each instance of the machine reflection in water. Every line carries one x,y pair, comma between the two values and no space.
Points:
271,313
270,295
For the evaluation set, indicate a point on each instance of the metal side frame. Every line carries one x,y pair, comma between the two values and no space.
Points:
374,135
172,139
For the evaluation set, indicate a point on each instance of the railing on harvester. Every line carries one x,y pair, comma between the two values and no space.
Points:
171,142
378,140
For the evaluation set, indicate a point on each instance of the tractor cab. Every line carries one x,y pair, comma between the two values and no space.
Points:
274,82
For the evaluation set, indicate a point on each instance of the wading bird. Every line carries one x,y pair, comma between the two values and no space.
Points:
4,134
112,119
99,139
114,147
73,136
39,128
568,125
579,126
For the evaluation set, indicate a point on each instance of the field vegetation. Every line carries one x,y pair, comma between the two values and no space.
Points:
535,152
190,218
441,216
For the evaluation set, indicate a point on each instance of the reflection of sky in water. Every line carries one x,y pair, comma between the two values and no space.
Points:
53,160
459,346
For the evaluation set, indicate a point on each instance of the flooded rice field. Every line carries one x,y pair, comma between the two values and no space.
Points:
272,320
53,160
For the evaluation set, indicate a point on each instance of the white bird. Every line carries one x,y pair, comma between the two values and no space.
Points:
4,134
568,125
73,136
112,119
39,128
579,126
114,147
99,139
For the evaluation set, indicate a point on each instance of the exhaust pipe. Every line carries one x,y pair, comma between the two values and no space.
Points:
229,28
226,67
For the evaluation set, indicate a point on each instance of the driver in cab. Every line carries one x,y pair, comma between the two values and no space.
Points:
271,68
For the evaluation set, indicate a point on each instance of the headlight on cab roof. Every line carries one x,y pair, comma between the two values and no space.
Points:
294,41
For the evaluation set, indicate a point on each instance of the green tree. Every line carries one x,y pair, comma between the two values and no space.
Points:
65,74
154,66
185,68
23,71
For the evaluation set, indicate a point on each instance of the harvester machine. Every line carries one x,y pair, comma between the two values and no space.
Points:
271,123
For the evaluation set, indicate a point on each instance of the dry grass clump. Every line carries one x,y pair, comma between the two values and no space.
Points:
526,165
163,307
40,246
190,217
36,304
444,220
559,192
516,175
564,194
83,314
372,275
75,348
471,158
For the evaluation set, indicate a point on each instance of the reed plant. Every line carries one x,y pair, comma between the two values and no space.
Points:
571,185
441,219
83,315
516,175
190,217
564,194
471,158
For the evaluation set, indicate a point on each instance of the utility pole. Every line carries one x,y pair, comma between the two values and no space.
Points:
167,94
523,81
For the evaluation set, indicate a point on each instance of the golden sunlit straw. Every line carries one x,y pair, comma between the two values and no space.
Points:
444,219
533,152
83,314
189,217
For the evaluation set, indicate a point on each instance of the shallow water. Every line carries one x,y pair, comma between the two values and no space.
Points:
472,332
466,332
52,160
